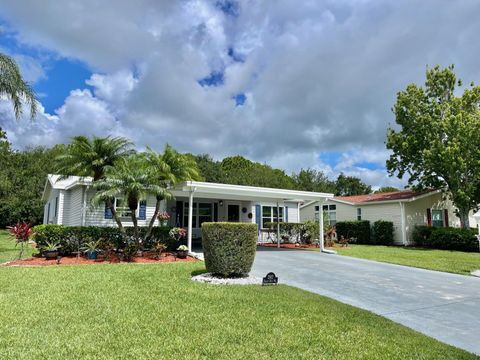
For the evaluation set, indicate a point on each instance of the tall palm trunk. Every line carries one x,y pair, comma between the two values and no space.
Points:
154,217
133,205
111,206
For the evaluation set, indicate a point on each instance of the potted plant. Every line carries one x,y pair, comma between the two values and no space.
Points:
91,249
182,251
163,217
50,250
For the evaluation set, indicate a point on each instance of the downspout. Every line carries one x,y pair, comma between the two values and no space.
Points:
84,210
321,232
403,223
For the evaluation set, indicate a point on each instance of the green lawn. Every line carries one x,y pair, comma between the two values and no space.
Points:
8,250
442,260
131,311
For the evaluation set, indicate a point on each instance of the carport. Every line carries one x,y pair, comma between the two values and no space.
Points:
253,196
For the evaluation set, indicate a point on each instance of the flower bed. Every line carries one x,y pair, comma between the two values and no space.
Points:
148,258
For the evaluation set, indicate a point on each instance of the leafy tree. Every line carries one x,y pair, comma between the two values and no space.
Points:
437,144
166,170
210,170
129,179
13,86
351,185
313,180
22,181
386,189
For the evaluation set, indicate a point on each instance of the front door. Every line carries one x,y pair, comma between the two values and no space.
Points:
233,213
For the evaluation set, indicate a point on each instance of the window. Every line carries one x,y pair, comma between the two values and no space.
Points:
359,214
437,218
269,214
202,212
330,213
122,209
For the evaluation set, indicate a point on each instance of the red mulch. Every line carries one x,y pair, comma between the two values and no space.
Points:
74,260
292,246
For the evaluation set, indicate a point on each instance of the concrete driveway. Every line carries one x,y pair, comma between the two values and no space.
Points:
441,305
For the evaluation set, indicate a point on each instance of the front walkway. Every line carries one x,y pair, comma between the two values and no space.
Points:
441,305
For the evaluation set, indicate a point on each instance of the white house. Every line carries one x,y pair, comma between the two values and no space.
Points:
404,208
68,202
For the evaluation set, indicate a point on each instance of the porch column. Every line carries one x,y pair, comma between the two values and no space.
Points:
190,220
320,219
278,226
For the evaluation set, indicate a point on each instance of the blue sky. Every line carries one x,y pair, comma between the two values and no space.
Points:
293,84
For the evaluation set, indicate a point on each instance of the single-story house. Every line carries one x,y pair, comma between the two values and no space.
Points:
404,208
68,202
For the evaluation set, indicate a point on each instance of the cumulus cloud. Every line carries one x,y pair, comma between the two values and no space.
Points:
318,76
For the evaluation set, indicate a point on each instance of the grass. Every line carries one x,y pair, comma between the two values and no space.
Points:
8,250
130,311
441,260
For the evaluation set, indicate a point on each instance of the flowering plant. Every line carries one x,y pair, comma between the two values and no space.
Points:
164,216
21,232
182,248
177,233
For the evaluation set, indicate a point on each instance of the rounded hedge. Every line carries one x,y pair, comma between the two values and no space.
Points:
229,248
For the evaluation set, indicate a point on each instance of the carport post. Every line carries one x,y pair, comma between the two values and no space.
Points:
278,226
190,217
320,219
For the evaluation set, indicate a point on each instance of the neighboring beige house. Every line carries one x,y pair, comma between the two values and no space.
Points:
404,208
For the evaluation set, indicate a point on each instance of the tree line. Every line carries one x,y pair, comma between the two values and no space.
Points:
24,174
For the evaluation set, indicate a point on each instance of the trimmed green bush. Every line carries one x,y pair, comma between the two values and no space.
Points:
72,237
229,248
421,235
446,238
382,232
359,230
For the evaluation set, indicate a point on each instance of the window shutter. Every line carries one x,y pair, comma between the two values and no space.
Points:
48,214
142,210
429,217
215,212
445,211
258,216
286,214
108,212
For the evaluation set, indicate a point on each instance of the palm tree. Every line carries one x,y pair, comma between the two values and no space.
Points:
129,179
94,157
167,170
15,88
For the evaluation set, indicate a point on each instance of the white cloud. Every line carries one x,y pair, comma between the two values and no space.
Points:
318,75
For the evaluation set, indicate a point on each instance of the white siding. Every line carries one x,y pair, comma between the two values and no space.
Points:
387,212
95,216
416,212
293,216
74,206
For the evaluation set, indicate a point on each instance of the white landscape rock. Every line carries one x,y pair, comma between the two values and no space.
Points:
476,273
210,279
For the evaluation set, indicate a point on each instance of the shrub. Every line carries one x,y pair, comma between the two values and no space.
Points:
72,238
358,230
421,235
446,238
288,231
382,232
310,232
229,248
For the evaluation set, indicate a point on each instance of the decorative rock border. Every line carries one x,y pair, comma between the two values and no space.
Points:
210,279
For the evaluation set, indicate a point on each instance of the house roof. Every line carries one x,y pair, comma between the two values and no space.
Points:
208,190
241,192
405,195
